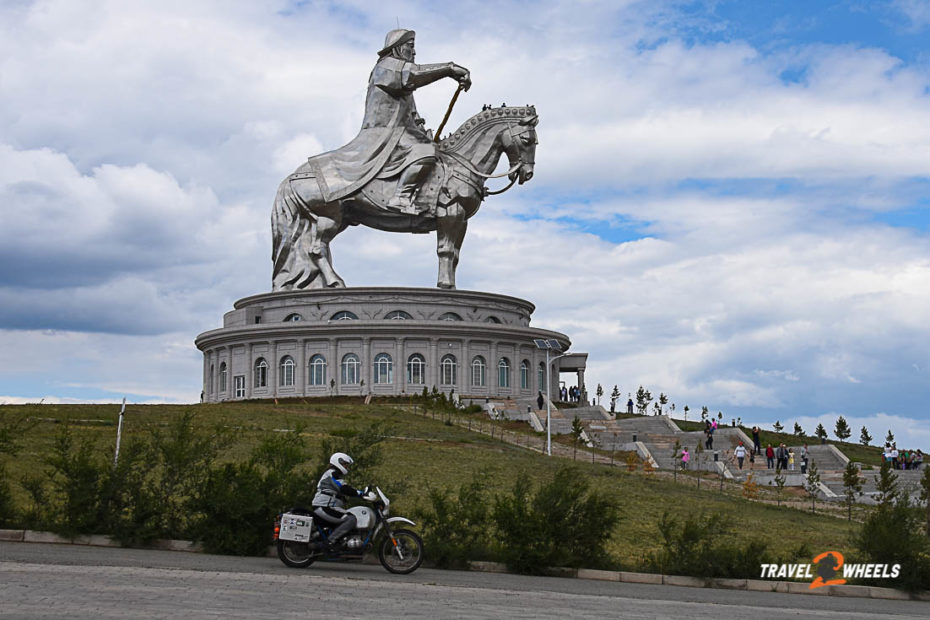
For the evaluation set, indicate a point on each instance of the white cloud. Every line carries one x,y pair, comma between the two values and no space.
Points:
699,224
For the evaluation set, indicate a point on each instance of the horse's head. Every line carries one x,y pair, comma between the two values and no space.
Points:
520,145
483,138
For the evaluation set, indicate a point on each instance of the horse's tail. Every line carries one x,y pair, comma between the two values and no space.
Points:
292,226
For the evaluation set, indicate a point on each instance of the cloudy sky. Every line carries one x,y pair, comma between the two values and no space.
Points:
731,200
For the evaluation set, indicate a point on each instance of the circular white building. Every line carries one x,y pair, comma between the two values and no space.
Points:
383,341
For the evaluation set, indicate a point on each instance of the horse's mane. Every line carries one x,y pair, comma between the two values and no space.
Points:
477,123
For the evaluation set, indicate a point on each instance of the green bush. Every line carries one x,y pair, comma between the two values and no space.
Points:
76,474
235,506
8,514
233,513
562,524
891,535
698,547
457,528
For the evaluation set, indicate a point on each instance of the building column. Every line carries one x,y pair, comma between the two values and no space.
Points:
494,388
366,363
433,373
300,370
249,371
273,369
400,367
583,391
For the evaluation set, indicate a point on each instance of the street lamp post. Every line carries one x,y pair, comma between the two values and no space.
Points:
549,345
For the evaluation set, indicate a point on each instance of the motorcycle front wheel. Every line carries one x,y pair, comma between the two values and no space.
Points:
295,554
401,554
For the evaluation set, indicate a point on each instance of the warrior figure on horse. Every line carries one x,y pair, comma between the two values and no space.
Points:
393,175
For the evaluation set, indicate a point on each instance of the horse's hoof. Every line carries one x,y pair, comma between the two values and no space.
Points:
446,286
339,284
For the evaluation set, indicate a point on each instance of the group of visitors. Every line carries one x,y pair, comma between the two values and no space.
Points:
570,395
904,459
709,427
785,459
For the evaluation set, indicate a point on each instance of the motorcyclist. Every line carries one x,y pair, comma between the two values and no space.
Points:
329,501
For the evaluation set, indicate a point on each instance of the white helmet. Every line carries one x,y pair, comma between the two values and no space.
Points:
341,461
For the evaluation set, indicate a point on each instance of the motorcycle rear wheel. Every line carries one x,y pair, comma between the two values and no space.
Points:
405,556
295,554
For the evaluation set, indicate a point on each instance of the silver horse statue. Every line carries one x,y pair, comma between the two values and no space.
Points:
304,222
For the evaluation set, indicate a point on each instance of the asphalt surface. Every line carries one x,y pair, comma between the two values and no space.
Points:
72,581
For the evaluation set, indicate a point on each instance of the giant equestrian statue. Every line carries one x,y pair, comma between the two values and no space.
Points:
394,175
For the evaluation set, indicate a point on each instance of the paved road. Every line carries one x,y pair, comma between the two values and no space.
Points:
45,580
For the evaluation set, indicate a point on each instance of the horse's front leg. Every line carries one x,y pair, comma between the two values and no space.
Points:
450,233
328,224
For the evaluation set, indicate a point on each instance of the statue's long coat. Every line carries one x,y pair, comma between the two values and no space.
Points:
390,138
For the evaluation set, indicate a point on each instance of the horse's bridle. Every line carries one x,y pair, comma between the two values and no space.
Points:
514,137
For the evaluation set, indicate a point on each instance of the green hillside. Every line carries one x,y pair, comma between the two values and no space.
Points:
423,452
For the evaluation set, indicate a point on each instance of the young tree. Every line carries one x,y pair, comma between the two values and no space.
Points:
614,397
841,430
821,433
852,486
676,452
925,494
663,400
864,437
643,398
889,438
577,430
778,427
812,484
699,459
686,410
657,408
798,431
886,484
599,392
780,479
704,413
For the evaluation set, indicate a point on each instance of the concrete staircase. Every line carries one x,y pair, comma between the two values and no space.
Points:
653,438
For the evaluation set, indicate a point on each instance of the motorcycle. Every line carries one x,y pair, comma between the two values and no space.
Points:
301,540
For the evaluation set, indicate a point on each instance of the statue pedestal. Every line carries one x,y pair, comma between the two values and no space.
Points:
376,340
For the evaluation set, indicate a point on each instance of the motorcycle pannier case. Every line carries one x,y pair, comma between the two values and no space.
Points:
295,527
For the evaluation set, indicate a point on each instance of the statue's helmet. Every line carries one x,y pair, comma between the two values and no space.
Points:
395,38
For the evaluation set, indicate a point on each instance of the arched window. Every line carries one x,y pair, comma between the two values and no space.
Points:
350,369
492,319
286,378
450,316
343,315
416,369
503,372
478,372
398,315
541,377
223,377
293,317
317,370
261,373
524,375
447,367
384,369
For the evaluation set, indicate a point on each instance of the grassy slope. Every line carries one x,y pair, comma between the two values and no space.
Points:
424,452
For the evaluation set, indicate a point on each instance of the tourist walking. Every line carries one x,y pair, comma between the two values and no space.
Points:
756,440
685,458
770,457
740,454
